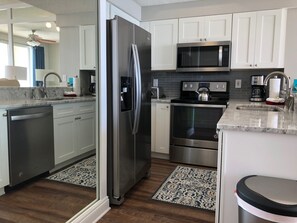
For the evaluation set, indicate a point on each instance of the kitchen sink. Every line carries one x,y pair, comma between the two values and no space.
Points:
260,108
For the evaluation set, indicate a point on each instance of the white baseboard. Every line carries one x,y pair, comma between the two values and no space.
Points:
2,192
160,156
92,213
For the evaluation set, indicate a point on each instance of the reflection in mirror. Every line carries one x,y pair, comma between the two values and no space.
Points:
60,54
35,43
36,47
3,48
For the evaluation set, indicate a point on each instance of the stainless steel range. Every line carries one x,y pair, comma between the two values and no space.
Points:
194,117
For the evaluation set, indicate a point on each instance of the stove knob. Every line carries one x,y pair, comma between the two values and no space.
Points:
217,86
185,85
191,85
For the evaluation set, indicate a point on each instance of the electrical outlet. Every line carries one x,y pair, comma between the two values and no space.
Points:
238,83
155,83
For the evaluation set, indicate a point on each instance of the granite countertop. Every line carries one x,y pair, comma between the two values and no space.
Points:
11,104
282,122
162,100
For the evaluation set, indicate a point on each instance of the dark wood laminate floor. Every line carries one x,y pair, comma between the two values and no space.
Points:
44,201
140,208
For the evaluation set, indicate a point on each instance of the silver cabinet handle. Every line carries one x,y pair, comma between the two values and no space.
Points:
77,118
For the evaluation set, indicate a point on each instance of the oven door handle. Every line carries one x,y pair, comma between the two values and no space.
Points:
198,105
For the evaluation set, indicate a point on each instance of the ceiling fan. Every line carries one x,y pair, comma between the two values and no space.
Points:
35,40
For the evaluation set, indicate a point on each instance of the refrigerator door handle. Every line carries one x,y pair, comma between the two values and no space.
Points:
137,73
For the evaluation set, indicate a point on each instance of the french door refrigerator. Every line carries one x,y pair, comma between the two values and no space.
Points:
129,106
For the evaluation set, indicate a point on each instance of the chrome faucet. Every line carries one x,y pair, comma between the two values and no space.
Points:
289,98
44,79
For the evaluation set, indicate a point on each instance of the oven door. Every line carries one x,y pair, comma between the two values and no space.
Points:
193,133
194,125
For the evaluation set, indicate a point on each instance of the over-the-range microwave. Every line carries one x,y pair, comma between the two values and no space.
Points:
203,56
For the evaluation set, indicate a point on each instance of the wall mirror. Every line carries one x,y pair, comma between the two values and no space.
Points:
54,27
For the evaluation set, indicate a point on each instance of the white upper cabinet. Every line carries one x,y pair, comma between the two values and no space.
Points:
206,28
164,40
258,39
87,39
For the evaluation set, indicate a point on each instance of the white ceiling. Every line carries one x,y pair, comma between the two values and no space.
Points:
160,2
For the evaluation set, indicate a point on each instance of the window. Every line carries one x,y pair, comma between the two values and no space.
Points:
22,59
4,58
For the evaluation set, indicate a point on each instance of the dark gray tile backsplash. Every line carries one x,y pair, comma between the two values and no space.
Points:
169,81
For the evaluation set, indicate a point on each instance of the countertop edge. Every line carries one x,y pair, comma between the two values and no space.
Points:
13,104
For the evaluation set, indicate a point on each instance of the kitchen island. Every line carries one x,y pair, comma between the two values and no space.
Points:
252,142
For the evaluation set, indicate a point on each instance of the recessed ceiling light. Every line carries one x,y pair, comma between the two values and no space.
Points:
48,25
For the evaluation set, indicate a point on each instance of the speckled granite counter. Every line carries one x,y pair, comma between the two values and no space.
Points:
162,100
10,104
257,121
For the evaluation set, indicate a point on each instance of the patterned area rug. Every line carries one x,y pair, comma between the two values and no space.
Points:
189,186
82,173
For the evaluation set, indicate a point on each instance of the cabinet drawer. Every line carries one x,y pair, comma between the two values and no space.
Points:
86,107
64,110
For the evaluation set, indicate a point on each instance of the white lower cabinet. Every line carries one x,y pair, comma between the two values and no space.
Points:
160,115
74,130
4,167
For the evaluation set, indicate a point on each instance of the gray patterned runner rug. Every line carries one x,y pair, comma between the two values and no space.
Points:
82,173
189,186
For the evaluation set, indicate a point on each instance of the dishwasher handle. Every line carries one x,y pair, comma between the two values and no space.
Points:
31,116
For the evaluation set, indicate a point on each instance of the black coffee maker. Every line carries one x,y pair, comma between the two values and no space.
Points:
258,88
92,88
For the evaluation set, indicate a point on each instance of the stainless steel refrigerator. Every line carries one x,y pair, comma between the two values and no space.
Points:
129,106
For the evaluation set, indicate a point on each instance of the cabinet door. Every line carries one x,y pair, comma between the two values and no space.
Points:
153,127
164,39
162,127
191,30
218,28
270,39
243,40
4,169
87,47
64,129
85,132
258,39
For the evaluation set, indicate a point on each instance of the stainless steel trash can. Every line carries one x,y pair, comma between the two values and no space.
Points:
263,199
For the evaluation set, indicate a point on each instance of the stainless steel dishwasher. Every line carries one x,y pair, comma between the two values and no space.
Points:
30,142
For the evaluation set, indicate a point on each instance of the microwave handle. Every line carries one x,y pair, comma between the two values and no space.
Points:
220,56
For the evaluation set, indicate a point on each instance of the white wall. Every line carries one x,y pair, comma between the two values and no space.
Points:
128,6
291,45
69,51
54,57
202,8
